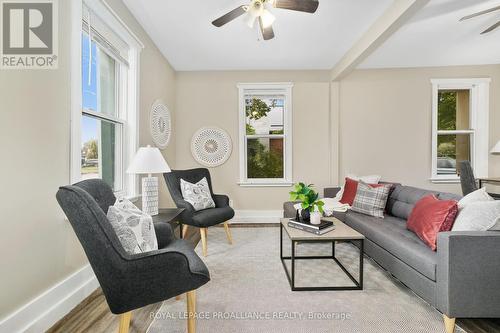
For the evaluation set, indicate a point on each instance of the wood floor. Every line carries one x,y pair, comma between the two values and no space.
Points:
93,315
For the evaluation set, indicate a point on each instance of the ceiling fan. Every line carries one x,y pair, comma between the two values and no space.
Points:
487,11
259,10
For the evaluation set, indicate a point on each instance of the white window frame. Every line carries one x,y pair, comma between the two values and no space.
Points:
266,89
479,124
129,103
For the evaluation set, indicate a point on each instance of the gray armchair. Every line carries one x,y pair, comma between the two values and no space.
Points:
467,179
130,281
203,218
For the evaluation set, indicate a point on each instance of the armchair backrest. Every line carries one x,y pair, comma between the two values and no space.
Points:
467,179
85,205
173,180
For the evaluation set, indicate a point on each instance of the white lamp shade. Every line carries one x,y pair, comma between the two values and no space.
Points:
496,150
148,160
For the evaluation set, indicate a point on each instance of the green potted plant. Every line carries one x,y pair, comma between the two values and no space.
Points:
312,208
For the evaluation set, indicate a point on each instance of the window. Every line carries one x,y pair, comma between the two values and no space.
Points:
104,118
460,127
265,134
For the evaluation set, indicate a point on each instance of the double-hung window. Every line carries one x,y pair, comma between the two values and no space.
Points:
265,134
459,127
106,137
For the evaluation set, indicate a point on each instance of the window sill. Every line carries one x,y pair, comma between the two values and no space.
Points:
445,180
280,184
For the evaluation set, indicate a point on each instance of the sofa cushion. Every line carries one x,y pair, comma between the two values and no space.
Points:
339,215
403,198
448,196
391,234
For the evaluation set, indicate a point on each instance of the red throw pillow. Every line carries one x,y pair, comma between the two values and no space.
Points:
350,189
430,216
450,219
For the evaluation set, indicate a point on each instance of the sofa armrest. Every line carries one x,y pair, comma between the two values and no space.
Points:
288,209
330,192
468,274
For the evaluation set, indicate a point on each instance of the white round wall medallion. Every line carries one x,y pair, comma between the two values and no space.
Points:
211,146
160,122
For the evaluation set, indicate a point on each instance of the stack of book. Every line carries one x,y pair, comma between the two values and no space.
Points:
318,229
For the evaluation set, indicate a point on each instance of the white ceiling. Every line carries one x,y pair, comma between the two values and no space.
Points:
435,37
182,30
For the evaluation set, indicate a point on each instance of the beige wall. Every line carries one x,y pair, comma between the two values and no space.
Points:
211,99
366,112
37,246
385,122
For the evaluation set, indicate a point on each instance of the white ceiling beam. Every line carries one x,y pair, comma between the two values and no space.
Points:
387,24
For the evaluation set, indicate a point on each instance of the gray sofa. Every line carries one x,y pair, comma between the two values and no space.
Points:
461,279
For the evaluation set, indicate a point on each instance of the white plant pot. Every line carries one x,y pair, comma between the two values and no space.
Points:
315,218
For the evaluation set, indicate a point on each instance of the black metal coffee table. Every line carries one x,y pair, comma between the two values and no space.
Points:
342,232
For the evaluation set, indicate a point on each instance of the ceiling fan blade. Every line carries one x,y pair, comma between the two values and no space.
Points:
267,33
480,13
308,6
490,29
235,13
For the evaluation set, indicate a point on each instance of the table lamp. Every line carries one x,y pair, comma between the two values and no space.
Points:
496,149
149,160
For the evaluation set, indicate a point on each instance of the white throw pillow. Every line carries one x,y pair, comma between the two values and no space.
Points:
371,179
476,196
134,229
197,194
479,216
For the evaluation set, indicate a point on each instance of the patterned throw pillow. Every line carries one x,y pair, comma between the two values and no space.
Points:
134,229
350,190
371,200
197,194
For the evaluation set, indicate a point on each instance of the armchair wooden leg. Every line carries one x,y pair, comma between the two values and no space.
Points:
178,297
203,232
184,230
228,233
449,324
124,322
191,310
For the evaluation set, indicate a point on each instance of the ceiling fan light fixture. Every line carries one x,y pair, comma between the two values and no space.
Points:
249,20
267,18
254,10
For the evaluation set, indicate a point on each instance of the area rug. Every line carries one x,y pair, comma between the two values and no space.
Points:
249,292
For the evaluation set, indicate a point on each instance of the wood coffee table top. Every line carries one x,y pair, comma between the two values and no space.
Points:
341,232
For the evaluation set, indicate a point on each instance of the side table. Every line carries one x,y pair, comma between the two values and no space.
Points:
169,215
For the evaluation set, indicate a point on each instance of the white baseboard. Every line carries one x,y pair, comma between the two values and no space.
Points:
257,216
44,311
